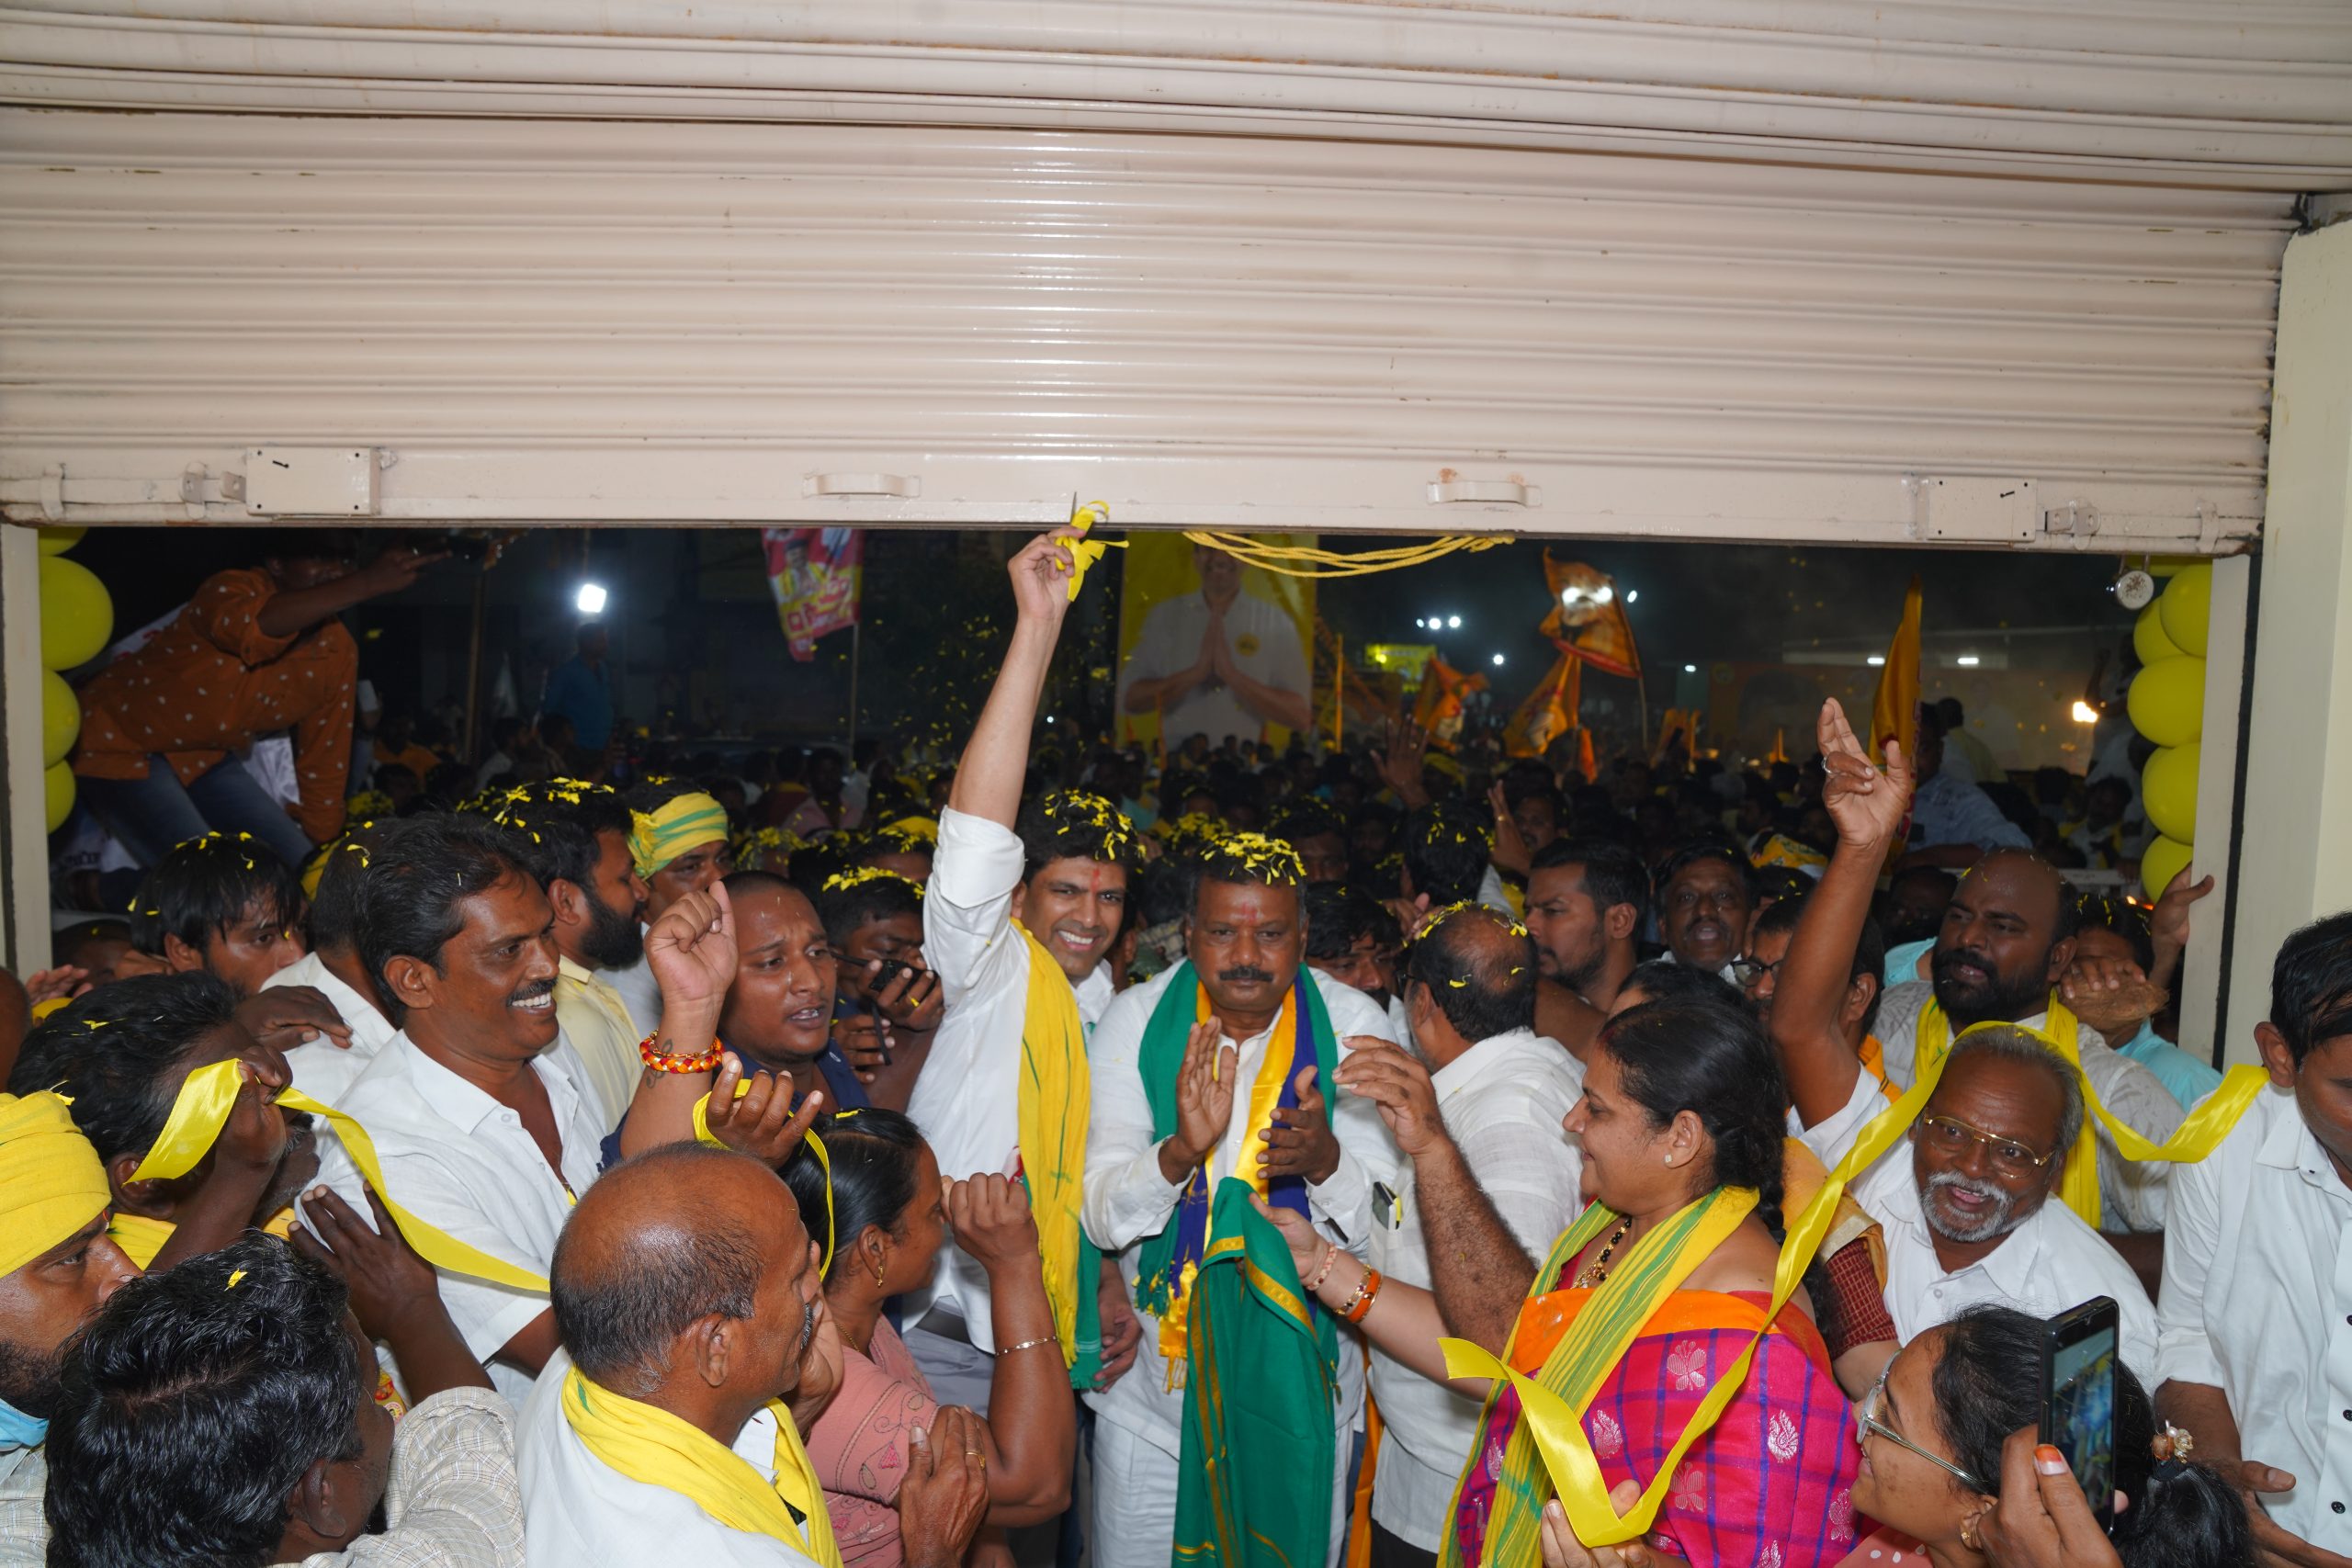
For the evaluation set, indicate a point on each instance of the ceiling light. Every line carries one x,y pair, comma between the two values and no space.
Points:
591,599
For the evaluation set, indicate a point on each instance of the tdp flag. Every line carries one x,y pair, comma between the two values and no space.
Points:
1439,708
815,574
1894,711
1549,712
1587,618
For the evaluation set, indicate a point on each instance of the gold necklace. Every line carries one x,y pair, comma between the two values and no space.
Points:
1592,1273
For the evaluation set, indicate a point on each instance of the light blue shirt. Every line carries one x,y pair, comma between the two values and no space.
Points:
2188,1079
1947,809
1902,961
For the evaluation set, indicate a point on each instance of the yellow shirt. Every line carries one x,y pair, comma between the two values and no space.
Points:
593,1018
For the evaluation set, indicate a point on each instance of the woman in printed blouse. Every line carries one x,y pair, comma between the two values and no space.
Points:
891,1213
1680,1126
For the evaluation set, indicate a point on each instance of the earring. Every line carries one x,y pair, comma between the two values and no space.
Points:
878,1272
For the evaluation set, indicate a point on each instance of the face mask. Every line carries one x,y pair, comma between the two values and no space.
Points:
19,1430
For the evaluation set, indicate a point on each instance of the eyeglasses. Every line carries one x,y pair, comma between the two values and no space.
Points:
2009,1157
1748,970
1868,1425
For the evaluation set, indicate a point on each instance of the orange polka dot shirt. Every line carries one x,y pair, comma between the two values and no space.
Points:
210,681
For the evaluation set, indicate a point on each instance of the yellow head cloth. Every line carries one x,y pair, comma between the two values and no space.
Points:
659,837
923,828
51,1181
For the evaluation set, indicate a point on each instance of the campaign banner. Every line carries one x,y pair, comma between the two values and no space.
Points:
815,574
1209,647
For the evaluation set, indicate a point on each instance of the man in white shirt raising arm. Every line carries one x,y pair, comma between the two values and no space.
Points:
2254,1354
1017,926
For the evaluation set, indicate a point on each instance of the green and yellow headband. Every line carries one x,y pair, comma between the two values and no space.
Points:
659,837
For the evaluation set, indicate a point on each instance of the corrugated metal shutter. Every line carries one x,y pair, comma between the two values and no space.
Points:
542,319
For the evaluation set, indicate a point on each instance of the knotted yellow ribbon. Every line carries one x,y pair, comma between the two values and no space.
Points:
1084,553
647,1444
658,837
208,1095
1558,1427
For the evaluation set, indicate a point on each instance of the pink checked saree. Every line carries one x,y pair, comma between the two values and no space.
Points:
1771,1486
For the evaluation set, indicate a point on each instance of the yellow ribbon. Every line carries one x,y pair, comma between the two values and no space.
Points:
1084,553
703,1134
208,1096
650,1445
140,1237
1294,560
1558,1427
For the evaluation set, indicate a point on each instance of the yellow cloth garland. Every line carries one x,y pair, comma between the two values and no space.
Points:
657,838
1055,1103
51,1181
650,1445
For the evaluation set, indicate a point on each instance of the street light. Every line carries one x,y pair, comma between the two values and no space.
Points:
1875,659
1454,623
1632,594
1689,670
591,599
1966,661
1499,658
2085,713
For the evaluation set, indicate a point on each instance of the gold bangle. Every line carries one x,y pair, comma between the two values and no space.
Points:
1362,1285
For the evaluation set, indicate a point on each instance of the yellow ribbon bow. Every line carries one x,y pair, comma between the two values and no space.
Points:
1084,553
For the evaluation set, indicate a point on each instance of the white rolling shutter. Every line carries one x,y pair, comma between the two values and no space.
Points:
539,320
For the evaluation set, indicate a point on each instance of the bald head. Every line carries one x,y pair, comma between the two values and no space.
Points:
2008,934
1473,969
678,1267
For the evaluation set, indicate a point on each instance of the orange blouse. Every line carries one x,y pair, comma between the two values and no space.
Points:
210,681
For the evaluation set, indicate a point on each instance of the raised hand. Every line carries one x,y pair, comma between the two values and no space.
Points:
49,984
387,1280
1041,575
253,1138
1867,807
1400,761
1399,1088
2168,922
1300,1142
759,1121
692,951
945,1496
282,1017
989,1215
1203,1097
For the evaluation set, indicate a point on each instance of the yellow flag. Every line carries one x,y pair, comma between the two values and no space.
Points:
1894,711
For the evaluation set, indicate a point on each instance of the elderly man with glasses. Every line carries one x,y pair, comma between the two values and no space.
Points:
1968,1210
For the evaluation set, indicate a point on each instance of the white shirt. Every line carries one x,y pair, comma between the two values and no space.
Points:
321,1068
2051,1262
2258,1302
2132,1194
579,1512
1503,1102
967,1098
1127,1198
1264,642
639,991
465,1163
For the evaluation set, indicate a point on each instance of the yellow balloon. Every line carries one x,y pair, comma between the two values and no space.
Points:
2168,791
57,541
2187,605
76,616
60,718
2171,566
57,788
2148,640
2167,701
2160,862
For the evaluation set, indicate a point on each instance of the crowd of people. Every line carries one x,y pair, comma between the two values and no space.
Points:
1396,1156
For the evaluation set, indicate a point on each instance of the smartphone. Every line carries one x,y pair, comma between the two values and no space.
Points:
2078,1352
